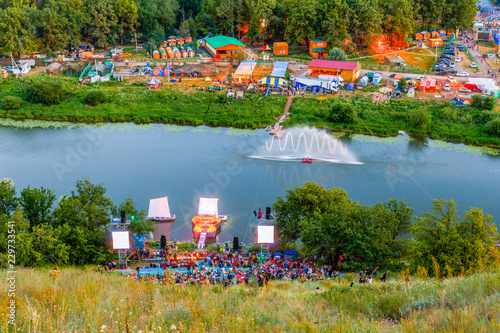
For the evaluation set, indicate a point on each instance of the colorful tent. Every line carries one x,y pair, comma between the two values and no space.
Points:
273,81
154,83
427,84
266,48
422,46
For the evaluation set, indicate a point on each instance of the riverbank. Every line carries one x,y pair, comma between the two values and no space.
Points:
82,300
436,120
134,103
184,105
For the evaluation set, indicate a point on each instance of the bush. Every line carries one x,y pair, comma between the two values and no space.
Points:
421,118
493,127
342,112
12,103
94,97
481,102
45,92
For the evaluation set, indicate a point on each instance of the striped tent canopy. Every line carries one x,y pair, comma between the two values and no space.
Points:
422,46
273,80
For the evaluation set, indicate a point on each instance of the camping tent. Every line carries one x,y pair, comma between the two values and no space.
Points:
396,60
54,69
158,71
273,81
411,92
154,83
421,46
350,86
363,81
266,48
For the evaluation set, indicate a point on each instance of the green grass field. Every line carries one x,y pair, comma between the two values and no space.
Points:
85,301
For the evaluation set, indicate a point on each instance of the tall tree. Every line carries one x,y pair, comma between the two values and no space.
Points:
17,30
456,245
102,22
59,24
365,20
334,26
398,19
37,205
302,19
156,12
8,199
126,18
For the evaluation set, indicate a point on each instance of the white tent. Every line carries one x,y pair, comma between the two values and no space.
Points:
244,70
159,210
208,206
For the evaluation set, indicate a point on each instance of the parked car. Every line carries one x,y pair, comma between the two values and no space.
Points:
451,79
452,71
9,68
452,65
473,65
458,59
464,90
463,74
447,87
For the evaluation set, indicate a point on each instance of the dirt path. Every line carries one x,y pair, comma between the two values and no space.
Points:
285,113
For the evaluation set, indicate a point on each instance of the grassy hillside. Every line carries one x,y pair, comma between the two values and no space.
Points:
84,301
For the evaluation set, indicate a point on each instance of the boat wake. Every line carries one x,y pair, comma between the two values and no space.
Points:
298,159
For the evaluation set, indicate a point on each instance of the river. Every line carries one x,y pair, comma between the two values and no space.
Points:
185,163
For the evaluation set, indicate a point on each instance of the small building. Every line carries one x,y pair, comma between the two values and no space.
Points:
395,60
427,84
317,48
348,70
180,41
188,39
418,36
434,42
280,48
442,31
426,35
54,68
435,34
222,46
266,56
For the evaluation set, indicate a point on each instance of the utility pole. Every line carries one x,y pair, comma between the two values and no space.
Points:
135,35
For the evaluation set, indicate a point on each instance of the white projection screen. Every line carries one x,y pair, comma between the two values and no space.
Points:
121,240
265,234
208,206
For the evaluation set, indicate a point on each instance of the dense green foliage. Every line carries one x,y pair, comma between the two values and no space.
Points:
331,226
134,103
12,103
46,92
73,230
455,245
95,97
52,26
337,54
438,120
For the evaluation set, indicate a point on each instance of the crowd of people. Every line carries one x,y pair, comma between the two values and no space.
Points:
229,268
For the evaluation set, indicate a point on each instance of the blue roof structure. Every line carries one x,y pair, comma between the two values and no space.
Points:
279,69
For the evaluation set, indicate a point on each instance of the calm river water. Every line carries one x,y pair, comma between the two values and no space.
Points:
185,163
